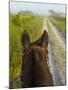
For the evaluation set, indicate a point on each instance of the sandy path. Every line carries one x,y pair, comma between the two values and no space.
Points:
57,34
52,64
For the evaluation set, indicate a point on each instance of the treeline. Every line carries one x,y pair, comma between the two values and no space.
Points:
59,21
53,13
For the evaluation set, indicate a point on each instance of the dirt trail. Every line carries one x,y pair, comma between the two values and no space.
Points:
57,34
52,64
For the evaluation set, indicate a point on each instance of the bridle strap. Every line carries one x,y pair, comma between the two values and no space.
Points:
36,47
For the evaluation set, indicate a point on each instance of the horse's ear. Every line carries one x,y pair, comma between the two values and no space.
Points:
44,39
25,39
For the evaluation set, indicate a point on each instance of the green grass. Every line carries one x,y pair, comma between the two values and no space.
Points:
59,23
18,23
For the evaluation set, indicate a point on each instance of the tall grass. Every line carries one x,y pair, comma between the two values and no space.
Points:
18,23
60,23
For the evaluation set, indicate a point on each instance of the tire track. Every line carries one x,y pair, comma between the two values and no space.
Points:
52,64
57,34
59,41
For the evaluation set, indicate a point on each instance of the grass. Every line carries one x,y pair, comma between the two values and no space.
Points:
18,23
59,23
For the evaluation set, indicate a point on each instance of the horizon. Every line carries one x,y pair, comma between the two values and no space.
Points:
36,8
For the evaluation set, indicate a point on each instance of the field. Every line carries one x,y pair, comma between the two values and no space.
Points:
18,23
33,24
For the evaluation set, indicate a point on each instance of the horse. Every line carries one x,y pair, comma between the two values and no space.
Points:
34,70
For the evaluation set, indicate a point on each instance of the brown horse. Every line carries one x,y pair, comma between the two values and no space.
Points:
35,70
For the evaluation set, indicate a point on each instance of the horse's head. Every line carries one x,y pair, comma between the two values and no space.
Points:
38,48
36,72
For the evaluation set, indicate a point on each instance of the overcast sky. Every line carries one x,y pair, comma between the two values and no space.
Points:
39,8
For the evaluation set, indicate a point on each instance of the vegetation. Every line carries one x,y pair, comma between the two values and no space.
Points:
18,23
33,24
59,20
59,23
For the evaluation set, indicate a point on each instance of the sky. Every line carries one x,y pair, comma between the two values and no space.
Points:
39,8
